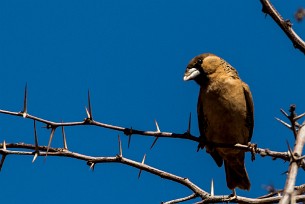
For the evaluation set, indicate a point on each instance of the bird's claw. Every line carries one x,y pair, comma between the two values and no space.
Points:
201,145
253,148
233,194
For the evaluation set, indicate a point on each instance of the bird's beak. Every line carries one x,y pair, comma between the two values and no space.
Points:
190,73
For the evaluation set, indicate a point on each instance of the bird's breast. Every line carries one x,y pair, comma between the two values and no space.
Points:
224,109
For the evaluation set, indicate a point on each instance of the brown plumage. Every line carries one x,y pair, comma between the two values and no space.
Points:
225,114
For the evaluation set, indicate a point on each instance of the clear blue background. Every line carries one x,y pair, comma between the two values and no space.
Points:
132,56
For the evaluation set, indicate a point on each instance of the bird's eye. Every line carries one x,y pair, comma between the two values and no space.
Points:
198,63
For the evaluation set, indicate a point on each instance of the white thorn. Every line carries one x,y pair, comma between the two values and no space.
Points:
87,112
212,187
143,160
4,145
92,166
35,156
158,129
120,146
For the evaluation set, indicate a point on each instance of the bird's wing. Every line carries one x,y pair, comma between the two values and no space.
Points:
250,110
202,123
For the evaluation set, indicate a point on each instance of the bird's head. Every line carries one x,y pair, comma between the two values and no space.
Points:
200,67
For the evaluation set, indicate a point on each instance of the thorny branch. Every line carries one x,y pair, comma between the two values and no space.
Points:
92,161
88,121
285,25
290,192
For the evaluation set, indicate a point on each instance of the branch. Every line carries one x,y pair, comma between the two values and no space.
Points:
288,194
285,156
285,25
88,121
240,199
91,161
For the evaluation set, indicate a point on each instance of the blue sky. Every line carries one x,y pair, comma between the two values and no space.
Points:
132,56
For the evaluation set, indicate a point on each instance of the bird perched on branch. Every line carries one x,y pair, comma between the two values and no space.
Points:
225,114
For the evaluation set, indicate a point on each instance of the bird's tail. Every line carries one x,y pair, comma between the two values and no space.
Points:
236,175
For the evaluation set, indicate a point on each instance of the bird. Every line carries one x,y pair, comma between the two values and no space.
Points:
225,113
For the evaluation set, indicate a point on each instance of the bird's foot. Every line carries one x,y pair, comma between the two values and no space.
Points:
253,148
201,145
233,195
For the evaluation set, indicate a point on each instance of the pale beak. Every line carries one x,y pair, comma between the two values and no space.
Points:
190,74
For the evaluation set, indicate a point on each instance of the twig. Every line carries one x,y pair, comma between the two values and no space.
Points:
285,25
292,121
299,190
179,200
